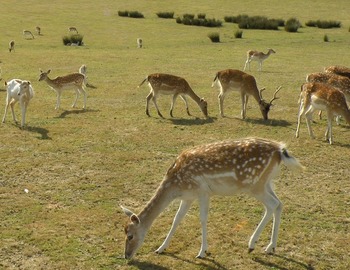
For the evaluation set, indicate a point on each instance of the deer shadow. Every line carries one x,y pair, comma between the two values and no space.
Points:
146,265
66,113
297,264
192,121
269,122
43,132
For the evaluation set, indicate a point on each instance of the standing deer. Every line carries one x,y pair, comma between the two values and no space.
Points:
236,80
320,96
11,46
257,56
171,85
74,80
222,168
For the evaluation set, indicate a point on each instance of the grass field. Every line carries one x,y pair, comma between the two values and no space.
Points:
80,165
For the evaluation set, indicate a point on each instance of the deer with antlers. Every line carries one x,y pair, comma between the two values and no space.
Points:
320,96
257,56
236,80
223,168
166,84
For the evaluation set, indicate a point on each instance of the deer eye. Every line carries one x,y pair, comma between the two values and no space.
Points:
130,237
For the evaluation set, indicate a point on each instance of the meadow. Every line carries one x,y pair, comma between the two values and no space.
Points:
63,177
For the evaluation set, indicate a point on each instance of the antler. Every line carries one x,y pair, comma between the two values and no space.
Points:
274,95
260,91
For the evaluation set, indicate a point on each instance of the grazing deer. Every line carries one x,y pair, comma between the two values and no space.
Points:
171,85
11,46
236,80
28,34
74,80
73,29
257,56
18,90
340,70
320,96
139,43
225,169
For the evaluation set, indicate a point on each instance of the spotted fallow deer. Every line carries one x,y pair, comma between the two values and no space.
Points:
340,70
166,84
257,56
320,96
223,168
71,81
236,80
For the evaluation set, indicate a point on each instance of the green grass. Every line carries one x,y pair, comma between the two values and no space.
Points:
80,165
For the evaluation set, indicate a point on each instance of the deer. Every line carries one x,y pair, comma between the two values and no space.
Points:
38,30
223,168
167,84
340,70
28,34
342,83
320,96
236,80
74,80
73,29
18,91
139,43
253,55
11,46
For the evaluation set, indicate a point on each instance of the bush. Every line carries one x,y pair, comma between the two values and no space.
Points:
238,34
292,25
214,37
255,22
76,39
189,19
201,16
131,14
323,24
123,13
165,15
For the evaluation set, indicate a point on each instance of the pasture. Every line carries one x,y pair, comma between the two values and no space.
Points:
63,177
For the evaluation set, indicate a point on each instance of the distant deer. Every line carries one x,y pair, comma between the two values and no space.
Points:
38,30
139,43
73,29
257,56
28,34
11,46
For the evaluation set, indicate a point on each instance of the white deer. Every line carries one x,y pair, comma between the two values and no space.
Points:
71,81
236,80
225,169
28,34
172,85
257,56
18,90
320,96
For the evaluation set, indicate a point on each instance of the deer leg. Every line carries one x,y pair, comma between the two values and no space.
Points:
246,63
301,112
308,116
149,97
76,98
186,104
24,110
154,99
203,209
12,104
221,98
58,103
81,89
244,98
6,108
273,207
181,212
329,135
172,104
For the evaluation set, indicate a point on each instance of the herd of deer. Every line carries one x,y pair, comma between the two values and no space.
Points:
223,168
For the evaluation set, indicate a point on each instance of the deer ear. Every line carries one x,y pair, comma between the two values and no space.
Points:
127,211
135,219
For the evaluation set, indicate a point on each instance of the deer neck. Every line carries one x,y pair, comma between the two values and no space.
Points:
165,194
193,95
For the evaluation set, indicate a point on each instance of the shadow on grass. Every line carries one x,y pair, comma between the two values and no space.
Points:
146,265
65,113
44,133
192,121
297,264
270,122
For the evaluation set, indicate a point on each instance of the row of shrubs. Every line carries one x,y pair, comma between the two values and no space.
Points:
244,21
190,19
323,24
